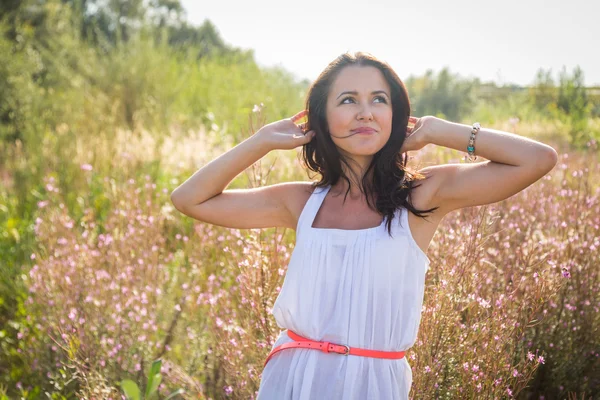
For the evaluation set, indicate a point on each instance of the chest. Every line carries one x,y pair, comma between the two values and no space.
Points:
351,214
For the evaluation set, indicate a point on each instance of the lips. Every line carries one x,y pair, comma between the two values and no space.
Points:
364,130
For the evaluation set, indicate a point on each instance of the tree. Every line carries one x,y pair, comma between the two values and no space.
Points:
543,91
446,94
572,96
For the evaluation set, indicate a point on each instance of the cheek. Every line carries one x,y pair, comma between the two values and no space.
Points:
338,119
385,118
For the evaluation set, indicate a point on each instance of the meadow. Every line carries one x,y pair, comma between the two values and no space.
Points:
101,276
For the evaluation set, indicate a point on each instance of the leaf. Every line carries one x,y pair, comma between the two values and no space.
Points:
130,389
155,369
153,383
154,378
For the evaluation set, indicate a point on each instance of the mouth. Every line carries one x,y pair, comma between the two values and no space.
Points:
364,131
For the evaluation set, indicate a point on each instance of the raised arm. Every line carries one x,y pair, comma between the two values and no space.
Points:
203,195
514,163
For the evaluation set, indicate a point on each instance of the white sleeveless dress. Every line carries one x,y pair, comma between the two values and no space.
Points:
355,287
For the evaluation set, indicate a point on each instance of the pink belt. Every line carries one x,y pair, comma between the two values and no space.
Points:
328,347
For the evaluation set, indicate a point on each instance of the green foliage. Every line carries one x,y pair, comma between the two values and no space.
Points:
445,95
542,93
569,103
572,97
131,390
18,67
203,41
573,102
63,91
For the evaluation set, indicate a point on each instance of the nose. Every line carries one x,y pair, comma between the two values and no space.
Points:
365,114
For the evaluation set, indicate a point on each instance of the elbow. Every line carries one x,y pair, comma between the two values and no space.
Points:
552,158
547,160
176,201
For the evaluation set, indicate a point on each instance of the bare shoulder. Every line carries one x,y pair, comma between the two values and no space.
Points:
296,196
423,197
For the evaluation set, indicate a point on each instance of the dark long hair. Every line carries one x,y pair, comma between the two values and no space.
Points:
391,182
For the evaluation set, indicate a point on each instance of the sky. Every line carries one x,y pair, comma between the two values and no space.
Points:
502,41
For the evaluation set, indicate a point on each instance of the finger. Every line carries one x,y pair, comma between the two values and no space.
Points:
309,135
303,126
409,129
304,135
413,119
299,116
305,138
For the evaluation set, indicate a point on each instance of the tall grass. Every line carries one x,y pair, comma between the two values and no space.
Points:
120,279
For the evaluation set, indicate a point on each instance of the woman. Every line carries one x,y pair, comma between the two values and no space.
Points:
350,305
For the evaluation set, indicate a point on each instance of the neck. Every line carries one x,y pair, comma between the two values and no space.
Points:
355,174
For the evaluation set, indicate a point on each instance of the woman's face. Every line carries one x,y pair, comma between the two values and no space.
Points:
359,97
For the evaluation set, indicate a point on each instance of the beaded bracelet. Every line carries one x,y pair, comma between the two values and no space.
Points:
471,147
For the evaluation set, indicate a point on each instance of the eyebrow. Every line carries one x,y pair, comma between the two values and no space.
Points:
356,93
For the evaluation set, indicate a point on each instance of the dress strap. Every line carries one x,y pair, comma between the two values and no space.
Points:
406,229
312,206
400,222
404,219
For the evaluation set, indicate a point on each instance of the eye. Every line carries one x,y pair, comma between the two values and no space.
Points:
383,99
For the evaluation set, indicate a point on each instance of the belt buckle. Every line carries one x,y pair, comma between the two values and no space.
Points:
347,349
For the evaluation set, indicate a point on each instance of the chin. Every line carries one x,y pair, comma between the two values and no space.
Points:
364,152
367,149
